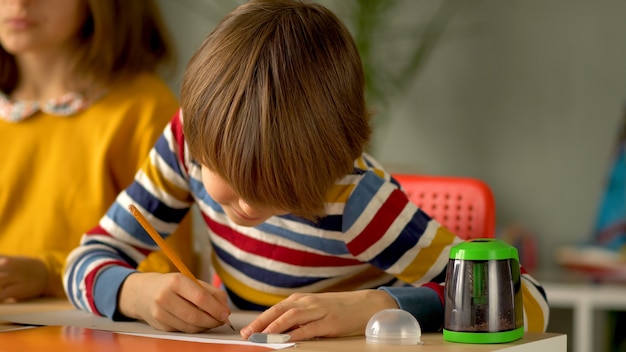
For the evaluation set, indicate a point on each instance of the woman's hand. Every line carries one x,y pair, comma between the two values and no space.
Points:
22,278
332,314
173,302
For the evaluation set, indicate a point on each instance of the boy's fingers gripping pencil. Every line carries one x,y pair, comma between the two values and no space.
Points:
166,248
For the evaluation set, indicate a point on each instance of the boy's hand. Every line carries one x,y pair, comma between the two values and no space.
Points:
332,314
173,302
21,278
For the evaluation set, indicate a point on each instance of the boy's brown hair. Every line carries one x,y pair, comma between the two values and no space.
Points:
117,39
273,102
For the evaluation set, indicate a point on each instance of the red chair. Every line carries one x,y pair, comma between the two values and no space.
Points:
464,205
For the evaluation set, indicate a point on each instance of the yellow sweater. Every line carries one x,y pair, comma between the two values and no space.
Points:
59,174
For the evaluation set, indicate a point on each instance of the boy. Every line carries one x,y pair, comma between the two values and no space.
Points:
269,143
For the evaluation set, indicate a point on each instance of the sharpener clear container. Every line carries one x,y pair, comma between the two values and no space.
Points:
483,293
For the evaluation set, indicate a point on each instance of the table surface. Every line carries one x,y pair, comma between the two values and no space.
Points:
68,338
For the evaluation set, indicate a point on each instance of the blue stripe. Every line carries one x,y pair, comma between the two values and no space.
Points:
153,205
411,234
124,219
270,277
360,198
197,188
162,148
326,245
80,272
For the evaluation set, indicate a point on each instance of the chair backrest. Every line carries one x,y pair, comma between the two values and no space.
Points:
464,205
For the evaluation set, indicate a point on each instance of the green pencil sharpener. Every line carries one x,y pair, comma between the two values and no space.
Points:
483,293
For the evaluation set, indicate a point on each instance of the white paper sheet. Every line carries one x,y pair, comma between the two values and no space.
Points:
78,318
13,327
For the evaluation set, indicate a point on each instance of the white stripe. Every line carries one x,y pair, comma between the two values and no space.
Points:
77,297
425,242
122,243
350,179
392,233
166,170
334,208
159,193
426,238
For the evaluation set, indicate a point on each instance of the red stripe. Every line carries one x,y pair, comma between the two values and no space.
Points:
179,137
386,215
98,230
90,279
274,251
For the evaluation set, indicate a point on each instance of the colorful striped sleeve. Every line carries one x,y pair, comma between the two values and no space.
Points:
111,251
536,308
383,228
386,230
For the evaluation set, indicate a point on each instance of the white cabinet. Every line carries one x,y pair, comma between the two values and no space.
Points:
589,302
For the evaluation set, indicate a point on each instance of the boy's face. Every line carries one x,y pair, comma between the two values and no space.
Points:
237,209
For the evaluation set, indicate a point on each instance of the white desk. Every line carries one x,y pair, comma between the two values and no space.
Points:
585,298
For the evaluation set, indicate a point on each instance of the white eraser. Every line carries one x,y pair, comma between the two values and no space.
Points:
269,338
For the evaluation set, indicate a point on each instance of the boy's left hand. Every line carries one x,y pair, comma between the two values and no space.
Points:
330,314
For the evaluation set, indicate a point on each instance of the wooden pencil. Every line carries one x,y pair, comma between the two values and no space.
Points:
166,248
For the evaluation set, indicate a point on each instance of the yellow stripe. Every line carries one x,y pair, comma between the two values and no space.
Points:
534,313
339,193
162,183
361,163
417,269
380,173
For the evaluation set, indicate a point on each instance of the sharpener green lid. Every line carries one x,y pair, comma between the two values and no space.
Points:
483,249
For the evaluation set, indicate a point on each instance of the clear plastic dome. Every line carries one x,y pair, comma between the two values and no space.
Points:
393,327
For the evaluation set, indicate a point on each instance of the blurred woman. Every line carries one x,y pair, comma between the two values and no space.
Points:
80,106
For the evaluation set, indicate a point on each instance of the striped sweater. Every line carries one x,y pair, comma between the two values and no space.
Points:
371,237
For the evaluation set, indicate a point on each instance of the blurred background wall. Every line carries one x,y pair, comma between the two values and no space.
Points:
527,95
